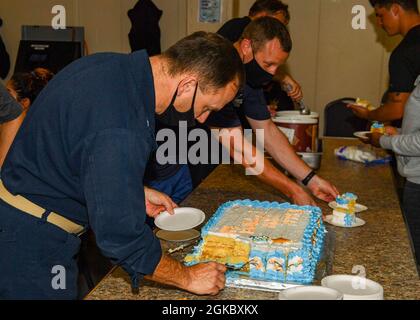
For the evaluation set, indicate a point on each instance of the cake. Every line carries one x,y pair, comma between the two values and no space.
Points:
365,103
345,213
270,241
377,127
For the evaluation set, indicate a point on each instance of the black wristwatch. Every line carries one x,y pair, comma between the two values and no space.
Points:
308,178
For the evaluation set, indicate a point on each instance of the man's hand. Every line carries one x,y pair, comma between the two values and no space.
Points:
391,131
295,89
206,278
323,189
374,139
157,202
359,111
272,109
301,198
201,279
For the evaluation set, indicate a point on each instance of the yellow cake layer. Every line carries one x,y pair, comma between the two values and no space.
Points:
225,250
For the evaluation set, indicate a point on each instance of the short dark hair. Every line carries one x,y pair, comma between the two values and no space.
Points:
409,5
211,57
265,29
271,7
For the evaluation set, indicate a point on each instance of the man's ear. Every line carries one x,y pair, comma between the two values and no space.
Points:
187,85
246,49
395,9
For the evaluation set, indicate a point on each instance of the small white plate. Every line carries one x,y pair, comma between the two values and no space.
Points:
359,222
183,219
359,207
310,293
362,135
354,287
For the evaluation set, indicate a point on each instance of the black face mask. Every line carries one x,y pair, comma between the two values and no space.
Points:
257,77
172,117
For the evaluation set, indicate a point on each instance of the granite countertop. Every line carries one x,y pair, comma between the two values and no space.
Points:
381,247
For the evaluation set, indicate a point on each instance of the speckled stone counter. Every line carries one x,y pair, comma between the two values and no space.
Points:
381,247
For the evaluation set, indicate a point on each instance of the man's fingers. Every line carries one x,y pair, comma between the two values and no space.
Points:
169,204
220,267
220,285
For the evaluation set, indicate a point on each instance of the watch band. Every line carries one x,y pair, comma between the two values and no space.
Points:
308,178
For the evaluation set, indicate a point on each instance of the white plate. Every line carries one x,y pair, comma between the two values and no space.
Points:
183,219
359,222
362,135
354,287
359,207
310,293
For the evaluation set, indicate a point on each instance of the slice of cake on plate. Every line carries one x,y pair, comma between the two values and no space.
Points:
345,213
365,103
377,127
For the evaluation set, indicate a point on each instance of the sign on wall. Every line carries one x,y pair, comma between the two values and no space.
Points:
210,11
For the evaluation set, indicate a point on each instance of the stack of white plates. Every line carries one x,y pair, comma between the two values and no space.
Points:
310,293
354,287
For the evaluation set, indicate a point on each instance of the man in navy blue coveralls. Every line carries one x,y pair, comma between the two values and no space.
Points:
264,47
82,153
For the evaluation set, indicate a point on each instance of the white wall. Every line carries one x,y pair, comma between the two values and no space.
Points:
329,58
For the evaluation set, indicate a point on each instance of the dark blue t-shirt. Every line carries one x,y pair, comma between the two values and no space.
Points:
82,152
233,29
404,64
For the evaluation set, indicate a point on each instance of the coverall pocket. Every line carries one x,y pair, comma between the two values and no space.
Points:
7,235
52,274
8,253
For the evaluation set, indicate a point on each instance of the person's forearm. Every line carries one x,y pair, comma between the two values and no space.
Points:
275,178
243,153
404,145
392,110
165,271
387,112
278,146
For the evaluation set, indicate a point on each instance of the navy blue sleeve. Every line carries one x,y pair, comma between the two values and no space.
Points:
254,104
225,118
113,164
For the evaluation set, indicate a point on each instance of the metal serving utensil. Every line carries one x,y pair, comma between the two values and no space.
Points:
304,110
183,247
233,268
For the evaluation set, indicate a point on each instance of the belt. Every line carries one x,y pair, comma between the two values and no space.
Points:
34,210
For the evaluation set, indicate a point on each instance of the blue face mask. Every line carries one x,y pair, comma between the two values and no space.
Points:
172,117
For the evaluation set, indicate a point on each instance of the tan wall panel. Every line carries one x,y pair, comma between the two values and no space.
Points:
302,64
173,23
16,13
350,61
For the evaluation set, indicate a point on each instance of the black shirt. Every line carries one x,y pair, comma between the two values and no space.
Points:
156,171
233,29
404,64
